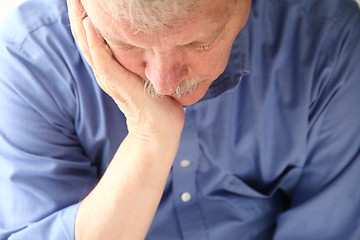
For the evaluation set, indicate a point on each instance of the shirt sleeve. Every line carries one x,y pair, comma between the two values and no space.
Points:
45,172
326,202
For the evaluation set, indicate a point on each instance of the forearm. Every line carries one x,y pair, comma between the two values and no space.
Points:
124,202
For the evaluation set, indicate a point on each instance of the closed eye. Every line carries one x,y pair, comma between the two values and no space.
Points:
125,47
205,47
200,46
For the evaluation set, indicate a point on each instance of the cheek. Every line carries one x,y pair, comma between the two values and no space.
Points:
210,64
131,61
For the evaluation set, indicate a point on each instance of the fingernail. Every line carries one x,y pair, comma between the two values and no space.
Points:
85,15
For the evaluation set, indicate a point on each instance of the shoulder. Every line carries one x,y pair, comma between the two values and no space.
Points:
338,11
328,12
31,15
313,34
305,51
36,28
38,55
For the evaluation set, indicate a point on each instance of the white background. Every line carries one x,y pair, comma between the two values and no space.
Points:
7,5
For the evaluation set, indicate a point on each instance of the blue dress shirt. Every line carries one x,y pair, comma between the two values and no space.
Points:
271,152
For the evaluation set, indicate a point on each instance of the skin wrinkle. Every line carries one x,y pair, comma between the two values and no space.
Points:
184,87
120,43
143,160
177,21
153,15
196,50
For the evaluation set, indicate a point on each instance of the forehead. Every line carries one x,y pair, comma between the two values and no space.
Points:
205,20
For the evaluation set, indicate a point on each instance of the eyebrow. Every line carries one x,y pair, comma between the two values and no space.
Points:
199,42
217,34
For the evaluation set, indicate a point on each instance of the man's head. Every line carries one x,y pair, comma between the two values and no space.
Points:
171,43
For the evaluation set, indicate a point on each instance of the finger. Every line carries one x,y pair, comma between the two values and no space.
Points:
102,83
84,46
115,78
77,14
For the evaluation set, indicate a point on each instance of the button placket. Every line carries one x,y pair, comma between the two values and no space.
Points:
184,183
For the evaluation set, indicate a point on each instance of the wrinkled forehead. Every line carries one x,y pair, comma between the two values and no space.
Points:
156,15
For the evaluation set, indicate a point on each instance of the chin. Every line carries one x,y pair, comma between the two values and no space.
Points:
186,101
192,97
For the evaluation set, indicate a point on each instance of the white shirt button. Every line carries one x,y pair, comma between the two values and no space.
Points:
184,109
185,163
185,196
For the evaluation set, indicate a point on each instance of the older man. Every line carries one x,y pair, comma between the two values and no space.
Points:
169,119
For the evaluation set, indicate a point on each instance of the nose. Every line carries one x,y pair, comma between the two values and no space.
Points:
166,71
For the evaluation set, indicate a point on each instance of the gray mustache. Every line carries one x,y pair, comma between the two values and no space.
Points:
185,86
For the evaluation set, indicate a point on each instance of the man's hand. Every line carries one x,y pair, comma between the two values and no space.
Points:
148,118
115,208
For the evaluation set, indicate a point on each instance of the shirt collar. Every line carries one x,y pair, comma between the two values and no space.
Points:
237,67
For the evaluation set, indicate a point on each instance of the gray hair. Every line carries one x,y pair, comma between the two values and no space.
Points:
152,15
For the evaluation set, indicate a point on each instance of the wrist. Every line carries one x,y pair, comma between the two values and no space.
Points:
155,147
